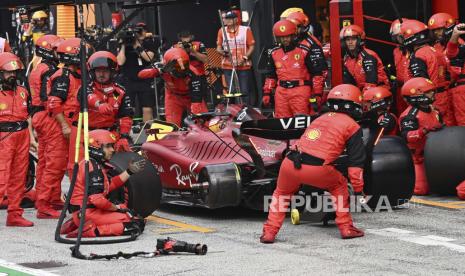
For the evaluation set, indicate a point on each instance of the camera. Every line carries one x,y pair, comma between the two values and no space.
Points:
127,36
23,14
186,45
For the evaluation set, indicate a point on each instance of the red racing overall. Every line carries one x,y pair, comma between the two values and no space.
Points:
52,143
322,143
456,54
101,220
117,114
181,94
365,71
426,62
401,61
14,148
414,125
293,70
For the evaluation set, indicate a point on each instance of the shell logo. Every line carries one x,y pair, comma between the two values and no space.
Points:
278,65
413,90
409,31
378,95
282,28
450,20
313,134
113,136
91,140
431,22
69,48
3,106
44,43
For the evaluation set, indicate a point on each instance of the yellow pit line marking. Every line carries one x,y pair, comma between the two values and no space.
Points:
182,225
447,205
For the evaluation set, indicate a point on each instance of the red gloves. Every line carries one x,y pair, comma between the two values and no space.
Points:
269,85
105,108
122,145
148,73
356,178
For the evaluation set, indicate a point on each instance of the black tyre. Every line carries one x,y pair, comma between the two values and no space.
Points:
445,160
390,172
144,188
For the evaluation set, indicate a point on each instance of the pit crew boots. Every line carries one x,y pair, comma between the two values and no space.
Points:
45,211
267,237
89,231
15,219
350,232
68,227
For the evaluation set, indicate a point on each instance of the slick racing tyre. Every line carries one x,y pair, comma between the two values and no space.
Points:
144,188
390,174
445,159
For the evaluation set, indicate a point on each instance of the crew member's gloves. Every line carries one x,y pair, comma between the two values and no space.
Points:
387,121
266,100
135,166
269,85
315,102
122,145
105,108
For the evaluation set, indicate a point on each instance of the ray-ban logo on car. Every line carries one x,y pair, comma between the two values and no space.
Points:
186,179
295,122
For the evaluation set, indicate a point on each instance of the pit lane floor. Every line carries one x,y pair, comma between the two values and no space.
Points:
426,237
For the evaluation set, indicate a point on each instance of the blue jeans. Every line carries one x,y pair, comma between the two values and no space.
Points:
244,78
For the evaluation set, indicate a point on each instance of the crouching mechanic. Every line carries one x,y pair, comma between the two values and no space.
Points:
376,105
290,64
184,85
103,218
14,138
311,162
109,105
416,121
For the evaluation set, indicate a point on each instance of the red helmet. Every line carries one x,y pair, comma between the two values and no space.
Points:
346,98
102,59
9,62
376,98
414,91
97,139
284,28
181,58
441,20
414,32
299,19
352,30
68,51
395,27
45,46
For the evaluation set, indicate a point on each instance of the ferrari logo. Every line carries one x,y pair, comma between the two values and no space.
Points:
431,22
297,56
14,64
195,47
22,95
346,23
313,134
3,106
429,81
282,28
113,136
278,65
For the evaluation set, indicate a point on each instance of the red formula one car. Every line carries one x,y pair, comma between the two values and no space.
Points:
232,158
